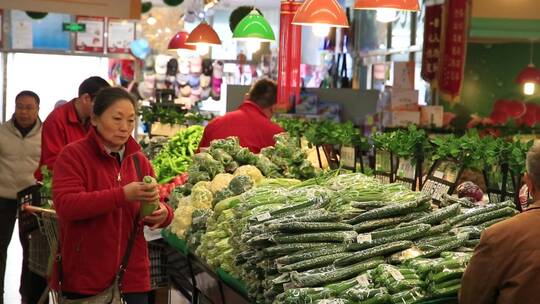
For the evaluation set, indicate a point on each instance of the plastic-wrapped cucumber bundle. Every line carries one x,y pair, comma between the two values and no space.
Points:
303,295
396,279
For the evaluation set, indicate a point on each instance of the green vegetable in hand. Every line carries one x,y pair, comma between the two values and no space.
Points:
147,208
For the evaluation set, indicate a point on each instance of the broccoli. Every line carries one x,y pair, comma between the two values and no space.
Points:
221,195
197,176
221,156
207,163
231,145
267,167
245,157
231,167
240,184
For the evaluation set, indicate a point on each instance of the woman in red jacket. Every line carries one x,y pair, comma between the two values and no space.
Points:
97,195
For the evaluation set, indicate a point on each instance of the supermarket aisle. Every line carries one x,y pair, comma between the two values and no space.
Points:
13,269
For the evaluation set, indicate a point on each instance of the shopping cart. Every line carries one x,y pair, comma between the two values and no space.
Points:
43,244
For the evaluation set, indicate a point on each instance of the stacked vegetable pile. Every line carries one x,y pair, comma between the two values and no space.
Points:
176,155
299,242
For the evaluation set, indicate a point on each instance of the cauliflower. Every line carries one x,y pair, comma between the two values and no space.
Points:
220,182
201,184
250,171
240,184
201,198
182,220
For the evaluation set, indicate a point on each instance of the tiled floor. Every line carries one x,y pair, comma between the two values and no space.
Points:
13,270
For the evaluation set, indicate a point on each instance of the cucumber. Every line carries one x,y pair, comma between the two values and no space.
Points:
485,217
446,292
317,215
284,249
340,237
339,274
436,240
373,252
493,222
147,208
390,221
445,247
407,235
309,227
381,298
439,229
310,254
405,284
313,263
447,275
390,210
340,287
478,211
391,232
362,294
369,205
446,284
463,202
437,217
409,296
474,232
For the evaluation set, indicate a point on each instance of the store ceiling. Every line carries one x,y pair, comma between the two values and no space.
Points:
263,4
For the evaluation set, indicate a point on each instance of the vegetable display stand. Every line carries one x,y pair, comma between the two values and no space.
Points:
330,154
497,179
442,178
409,174
385,166
197,281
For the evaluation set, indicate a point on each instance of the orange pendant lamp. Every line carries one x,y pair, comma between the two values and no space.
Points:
399,5
321,13
203,34
178,42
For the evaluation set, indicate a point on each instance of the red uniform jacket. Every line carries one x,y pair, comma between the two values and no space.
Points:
95,218
61,127
254,129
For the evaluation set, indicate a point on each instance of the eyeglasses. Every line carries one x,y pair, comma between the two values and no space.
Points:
27,108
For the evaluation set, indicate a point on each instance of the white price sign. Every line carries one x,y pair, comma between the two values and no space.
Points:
348,157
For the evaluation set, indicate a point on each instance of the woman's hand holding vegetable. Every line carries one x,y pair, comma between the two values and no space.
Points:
157,218
139,191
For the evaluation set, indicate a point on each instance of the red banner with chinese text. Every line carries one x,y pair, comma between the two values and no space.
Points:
454,46
432,43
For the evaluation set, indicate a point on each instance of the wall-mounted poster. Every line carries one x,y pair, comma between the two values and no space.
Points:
121,34
92,40
22,34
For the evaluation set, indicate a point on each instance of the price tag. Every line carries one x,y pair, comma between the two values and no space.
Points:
395,273
263,217
348,157
363,238
438,174
363,280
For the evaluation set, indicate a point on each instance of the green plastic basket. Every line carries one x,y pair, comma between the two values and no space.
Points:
232,282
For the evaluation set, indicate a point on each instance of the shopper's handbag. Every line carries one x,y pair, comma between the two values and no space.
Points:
113,294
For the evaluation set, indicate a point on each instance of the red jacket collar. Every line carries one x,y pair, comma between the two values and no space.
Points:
252,107
132,146
72,112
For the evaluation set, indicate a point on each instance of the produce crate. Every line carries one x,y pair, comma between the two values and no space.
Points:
233,282
159,276
442,178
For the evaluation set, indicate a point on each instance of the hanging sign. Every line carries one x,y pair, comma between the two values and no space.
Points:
432,43
92,39
121,34
454,48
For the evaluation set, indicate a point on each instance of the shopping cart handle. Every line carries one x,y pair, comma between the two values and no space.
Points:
34,209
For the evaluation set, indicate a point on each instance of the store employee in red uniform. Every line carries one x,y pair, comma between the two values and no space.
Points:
251,122
68,123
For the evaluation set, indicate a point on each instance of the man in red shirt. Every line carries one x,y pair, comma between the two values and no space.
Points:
68,123
251,122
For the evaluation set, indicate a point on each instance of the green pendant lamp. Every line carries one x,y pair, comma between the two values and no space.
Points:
254,27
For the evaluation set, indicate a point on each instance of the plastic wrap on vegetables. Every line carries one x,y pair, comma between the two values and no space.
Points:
250,171
220,182
231,145
240,184
245,157
207,163
201,197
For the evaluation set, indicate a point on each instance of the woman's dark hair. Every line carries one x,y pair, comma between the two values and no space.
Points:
264,93
106,97
28,94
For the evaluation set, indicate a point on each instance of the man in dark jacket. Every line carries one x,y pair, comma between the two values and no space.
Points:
505,267
251,122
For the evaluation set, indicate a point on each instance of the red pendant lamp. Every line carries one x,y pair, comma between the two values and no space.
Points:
321,13
400,5
529,77
178,42
203,34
